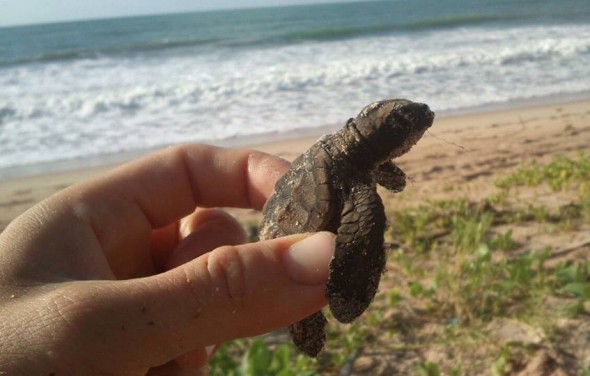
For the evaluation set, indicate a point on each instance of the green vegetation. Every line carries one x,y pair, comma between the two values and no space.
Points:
427,369
560,174
459,265
575,280
259,359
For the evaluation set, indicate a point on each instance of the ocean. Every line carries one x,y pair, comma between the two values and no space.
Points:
83,92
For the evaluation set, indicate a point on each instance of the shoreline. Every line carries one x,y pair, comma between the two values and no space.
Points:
260,140
465,151
452,173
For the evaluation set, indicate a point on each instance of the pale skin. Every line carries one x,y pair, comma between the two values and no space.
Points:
136,272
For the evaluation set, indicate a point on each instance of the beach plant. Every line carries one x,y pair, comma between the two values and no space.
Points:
347,340
476,276
503,241
500,365
225,359
259,359
559,174
422,227
416,226
480,288
470,279
526,175
468,232
428,369
574,279
585,205
418,290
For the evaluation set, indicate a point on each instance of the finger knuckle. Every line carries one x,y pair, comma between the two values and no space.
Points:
227,273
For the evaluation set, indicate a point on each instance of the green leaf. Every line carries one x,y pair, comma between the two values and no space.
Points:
416,289
578,289
281,360
483,253
428,369
257,359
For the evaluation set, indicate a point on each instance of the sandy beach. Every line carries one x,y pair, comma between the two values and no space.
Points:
459,157
465,151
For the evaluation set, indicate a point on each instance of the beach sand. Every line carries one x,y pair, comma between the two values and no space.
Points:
465,152
460,157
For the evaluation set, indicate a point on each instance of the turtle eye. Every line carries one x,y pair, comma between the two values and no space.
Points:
414,115
399,117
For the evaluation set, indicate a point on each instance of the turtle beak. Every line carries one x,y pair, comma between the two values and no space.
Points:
418,115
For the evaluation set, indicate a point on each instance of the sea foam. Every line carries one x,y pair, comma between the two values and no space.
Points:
54,110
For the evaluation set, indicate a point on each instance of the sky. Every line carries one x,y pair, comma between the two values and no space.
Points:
19,12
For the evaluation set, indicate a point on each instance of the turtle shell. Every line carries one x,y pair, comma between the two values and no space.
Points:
305,198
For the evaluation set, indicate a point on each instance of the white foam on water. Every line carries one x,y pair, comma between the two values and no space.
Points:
78,108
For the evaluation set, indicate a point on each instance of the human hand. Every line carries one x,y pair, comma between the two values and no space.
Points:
121,275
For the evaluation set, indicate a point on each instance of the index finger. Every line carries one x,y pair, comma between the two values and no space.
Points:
170,184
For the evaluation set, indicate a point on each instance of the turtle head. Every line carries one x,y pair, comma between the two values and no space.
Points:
391,127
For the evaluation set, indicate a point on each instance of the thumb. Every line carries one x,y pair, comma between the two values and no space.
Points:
230,292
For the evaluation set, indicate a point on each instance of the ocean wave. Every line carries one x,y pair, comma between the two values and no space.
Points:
125,86
94,53
339,32
446,22
71,108
202,33
7,113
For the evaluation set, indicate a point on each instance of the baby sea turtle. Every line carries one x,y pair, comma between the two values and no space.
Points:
332,187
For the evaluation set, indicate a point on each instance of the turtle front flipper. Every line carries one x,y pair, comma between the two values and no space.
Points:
359,258
309,334
390,176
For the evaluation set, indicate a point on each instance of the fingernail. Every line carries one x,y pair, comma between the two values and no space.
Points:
308,260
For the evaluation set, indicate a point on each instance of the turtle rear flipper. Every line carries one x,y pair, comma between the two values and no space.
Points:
309,334
359,258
